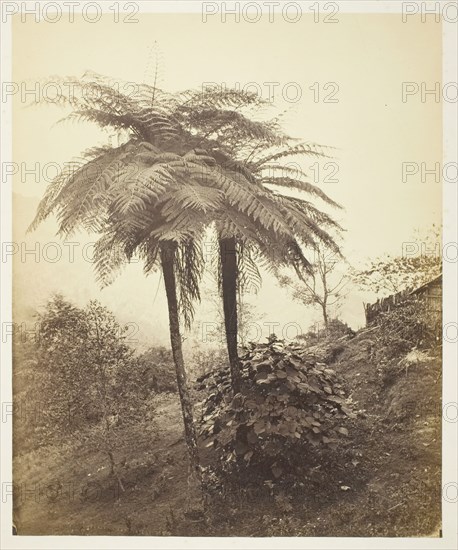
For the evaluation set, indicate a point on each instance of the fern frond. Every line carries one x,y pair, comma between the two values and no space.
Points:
305,149
195,197
189,267
109,257
249,278
293,183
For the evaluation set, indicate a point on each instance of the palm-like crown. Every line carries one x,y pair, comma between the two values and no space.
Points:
190,161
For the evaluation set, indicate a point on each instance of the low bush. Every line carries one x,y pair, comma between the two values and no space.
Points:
286,406
335,329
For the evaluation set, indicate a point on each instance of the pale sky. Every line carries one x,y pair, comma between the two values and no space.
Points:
367,56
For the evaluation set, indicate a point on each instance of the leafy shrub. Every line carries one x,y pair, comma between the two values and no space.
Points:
285,407
157,370
77,378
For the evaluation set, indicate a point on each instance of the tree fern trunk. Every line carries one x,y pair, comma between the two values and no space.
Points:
229,273
167,260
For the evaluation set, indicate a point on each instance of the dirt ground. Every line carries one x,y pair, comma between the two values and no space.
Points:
384,480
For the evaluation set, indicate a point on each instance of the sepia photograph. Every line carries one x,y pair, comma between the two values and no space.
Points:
229,273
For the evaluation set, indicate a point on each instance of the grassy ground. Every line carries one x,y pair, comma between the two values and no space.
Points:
389,466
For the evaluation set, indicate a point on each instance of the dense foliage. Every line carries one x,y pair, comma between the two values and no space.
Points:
409,325
80,377
157,370
286,405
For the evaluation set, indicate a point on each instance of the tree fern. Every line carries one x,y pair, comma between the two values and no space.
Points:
192,160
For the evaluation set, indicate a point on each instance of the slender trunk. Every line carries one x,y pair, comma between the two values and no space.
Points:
323,270
229,273
167,259
325,314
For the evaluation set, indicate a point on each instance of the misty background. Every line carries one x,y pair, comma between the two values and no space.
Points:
374,132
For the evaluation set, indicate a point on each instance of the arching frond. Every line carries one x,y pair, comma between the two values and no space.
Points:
189,268
292,183
305,149
109,257
249,276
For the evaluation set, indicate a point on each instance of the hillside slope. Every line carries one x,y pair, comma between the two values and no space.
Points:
383,480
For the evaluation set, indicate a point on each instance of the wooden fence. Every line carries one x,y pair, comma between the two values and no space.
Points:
430,293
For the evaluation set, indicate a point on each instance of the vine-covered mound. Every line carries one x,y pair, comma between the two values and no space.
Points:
286,404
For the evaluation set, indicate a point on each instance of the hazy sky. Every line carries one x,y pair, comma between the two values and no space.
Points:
364,59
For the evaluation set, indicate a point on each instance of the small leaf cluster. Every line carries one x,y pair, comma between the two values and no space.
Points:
287,405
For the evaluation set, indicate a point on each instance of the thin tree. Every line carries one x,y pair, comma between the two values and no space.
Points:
323,287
